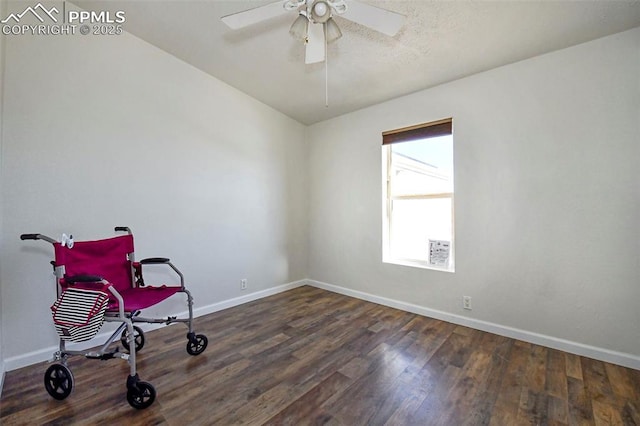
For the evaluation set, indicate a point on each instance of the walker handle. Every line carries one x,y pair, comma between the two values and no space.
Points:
37,237
30,236
154,260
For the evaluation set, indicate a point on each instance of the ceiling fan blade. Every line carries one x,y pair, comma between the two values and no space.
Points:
253,16
315,44
381,20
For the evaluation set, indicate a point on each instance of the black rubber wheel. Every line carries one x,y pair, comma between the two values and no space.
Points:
138,336
58,381
197,344
141,395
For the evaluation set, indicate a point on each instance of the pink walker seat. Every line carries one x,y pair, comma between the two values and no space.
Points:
136,299
110,259
109,266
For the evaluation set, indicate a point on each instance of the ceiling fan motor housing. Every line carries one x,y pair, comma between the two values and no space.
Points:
317,11
320,11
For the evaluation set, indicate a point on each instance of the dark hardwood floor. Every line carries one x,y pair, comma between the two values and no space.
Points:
308,356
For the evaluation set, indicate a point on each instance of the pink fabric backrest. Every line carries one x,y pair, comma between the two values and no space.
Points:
106,258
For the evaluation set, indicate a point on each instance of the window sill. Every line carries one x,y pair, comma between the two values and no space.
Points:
419,264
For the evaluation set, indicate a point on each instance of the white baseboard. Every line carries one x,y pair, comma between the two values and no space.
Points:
2,372
619,358
613,357
46,354
215,307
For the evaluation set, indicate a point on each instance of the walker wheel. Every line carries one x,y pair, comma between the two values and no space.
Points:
138,336
58,381
141,395
197,344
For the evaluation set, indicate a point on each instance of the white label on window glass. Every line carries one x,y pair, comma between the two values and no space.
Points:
439,252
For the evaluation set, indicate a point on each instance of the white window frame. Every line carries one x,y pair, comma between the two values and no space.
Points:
388,199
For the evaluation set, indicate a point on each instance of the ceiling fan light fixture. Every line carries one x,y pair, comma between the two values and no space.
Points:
300,27
320,11
332,30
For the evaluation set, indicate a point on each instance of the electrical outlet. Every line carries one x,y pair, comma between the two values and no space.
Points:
466,302
243,284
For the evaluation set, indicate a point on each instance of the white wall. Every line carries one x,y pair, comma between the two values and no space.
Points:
3,11
110,131
547,198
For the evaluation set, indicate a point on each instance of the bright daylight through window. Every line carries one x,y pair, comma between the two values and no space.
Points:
418,192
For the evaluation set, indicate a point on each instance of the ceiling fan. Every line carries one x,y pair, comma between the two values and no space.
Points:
315,25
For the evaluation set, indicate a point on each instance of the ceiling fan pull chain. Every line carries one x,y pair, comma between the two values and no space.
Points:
326,68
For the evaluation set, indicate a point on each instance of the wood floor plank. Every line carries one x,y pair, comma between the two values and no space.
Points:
372,388
573,365
535,375
580,408
403,414
558,411
556,379
308,408
605,414
508,400
631,413
312,357
436,403
621,383
533,407
498,349
462,394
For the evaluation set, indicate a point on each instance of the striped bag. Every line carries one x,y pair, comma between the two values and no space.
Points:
78,314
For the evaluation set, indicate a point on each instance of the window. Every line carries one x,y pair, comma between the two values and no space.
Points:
418,193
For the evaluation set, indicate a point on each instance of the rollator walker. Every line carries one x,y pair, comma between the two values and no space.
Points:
100,281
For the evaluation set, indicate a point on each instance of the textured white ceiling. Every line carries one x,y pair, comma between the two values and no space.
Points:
441,41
